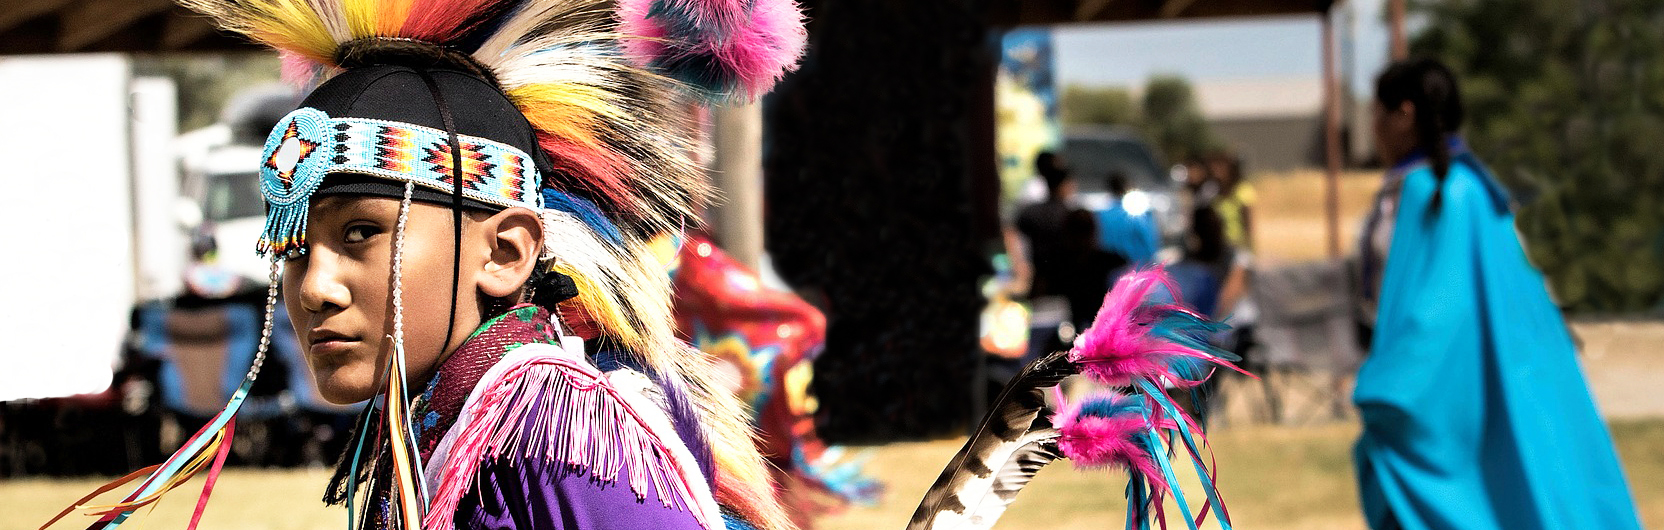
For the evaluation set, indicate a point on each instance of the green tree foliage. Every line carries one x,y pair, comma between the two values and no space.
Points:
1089,105
1173,121
1168,114
1565,100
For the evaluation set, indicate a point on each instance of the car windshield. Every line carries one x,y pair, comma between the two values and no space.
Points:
1091,160
234,196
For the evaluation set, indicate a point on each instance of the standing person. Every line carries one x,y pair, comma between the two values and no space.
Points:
1200,184
1234,201
1210,278
1128,229
460,219
1476,415
1070,274
1208,261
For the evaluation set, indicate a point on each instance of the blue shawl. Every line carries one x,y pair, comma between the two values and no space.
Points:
1476,415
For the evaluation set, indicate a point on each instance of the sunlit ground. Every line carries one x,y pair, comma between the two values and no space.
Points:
1272,477
1295,476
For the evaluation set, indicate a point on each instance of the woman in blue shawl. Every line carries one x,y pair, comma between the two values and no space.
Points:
1476,414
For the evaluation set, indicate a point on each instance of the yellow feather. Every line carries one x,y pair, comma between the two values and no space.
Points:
286,24
568,111
601,308
361,17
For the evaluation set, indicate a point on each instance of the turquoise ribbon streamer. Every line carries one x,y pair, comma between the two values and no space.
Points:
155,481
1184,433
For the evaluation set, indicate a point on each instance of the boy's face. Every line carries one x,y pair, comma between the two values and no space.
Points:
339,294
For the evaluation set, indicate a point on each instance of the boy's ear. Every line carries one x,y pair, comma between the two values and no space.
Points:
1407,108
515,238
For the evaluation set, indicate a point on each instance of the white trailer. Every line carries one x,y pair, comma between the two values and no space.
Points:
88,216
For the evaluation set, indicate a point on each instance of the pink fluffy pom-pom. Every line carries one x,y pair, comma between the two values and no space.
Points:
1120,347
725,49
1111,431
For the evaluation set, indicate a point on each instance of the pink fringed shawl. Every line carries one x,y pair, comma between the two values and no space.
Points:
599,422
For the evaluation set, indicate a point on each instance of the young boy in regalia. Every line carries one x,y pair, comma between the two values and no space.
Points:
459,218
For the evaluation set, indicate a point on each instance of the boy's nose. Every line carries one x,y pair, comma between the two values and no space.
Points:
320,286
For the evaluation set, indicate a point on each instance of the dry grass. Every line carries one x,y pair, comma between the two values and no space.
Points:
244,499
1272,477
1620,358
1290,220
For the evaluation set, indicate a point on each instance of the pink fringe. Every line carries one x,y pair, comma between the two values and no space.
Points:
1118,348
582,422
754,45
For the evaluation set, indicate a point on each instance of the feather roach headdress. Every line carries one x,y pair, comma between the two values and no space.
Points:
1137,344
570,108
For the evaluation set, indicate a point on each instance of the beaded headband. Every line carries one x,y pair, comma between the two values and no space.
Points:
308,145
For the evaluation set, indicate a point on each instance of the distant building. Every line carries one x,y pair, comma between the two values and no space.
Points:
1276,124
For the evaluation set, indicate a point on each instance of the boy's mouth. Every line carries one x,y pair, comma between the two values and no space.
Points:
328,342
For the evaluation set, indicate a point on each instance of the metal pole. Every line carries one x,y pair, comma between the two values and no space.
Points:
738,169
1331,135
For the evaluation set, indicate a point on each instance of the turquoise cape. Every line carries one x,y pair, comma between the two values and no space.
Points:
1476,415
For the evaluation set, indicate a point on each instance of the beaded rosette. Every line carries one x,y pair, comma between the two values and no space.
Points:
307,144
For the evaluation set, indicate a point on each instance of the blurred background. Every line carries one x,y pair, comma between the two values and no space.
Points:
884,183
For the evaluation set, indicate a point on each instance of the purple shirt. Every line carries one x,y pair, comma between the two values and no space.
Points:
533,494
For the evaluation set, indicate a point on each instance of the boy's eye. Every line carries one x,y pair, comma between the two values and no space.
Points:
359,233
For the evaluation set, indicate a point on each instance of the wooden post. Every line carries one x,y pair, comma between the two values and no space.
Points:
739,178
1395,24
1331,135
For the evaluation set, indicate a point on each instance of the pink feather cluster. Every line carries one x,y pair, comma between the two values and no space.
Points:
730,49
1117,440
298,71
1119,347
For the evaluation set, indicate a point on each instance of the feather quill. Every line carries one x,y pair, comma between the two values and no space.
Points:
1134,343
1013,443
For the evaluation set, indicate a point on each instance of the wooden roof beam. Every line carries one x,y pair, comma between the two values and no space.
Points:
184,29
1172,8
88,22
20,11
1088,10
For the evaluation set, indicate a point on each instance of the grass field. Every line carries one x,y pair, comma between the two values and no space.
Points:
1272,477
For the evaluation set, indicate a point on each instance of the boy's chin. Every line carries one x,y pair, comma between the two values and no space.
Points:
345,389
